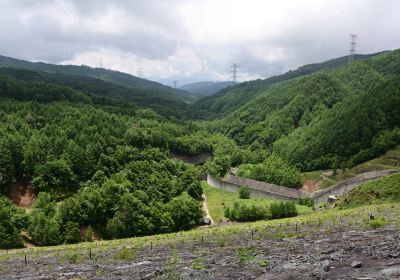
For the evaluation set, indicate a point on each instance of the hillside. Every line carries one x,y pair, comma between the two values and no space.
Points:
115,77
328,119
230,99
164,104
206,88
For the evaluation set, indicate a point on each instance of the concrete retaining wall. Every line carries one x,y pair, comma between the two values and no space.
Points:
232,183
348,185
234,187
264,187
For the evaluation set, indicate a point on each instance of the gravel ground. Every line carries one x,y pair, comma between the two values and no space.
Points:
312,252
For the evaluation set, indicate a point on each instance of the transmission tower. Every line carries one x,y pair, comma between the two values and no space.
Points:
175,83
352,51
139,72
234,71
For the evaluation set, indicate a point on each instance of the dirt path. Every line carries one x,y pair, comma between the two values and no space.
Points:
205,207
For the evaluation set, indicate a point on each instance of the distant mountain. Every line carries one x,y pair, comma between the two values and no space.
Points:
206,88
115,77
230,99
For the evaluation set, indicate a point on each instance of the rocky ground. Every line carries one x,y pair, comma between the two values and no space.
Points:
329,251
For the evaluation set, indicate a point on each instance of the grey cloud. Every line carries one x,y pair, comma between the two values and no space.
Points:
155,30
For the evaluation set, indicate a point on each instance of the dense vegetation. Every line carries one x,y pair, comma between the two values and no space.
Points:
96,153
102,91
329,119
228,100
273,170
92,164
242,212
65,72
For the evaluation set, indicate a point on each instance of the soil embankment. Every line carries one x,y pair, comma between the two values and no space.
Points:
21,194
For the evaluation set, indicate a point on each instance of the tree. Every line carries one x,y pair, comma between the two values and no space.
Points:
10,236
195,190
72,233
89,234
244,192
55,176
186,212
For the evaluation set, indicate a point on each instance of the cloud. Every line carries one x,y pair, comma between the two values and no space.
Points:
195,40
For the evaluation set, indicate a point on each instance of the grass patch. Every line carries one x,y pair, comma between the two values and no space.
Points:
125,254
386,189
219,199
71,256
375,223
390,160
246,255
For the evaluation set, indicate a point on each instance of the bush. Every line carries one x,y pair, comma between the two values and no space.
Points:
72,233
195,190
307,201
282,209
246,213
10,236
244,192
273,170
89,234
125,254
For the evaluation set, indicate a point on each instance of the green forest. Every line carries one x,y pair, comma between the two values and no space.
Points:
96,149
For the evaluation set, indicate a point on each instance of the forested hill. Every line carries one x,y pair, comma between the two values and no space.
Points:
115,77
207,88
230,99
332,118
164,104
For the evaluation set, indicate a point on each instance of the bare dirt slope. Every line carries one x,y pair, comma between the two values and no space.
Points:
21,195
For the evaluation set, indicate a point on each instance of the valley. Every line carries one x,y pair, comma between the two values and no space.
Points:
104,175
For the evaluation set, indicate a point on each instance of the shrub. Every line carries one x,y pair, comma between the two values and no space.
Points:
89,234
307,201
244,192
282,209
246,213
272,170
72,233
375,223
195,190
125,254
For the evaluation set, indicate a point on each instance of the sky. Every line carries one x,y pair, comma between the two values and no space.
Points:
195,40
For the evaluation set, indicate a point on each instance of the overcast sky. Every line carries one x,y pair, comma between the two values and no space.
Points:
194,40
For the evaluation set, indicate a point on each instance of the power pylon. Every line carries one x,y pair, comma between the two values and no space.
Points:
352,51
139,72
234,71
175,83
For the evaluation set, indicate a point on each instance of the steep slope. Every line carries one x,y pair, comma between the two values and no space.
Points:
115,77
206,88
331,118
230,99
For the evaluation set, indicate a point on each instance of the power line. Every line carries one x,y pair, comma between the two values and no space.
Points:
352,51
234,71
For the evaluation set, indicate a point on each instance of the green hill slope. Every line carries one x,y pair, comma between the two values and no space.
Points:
164,104
327,119
115,77
230,99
